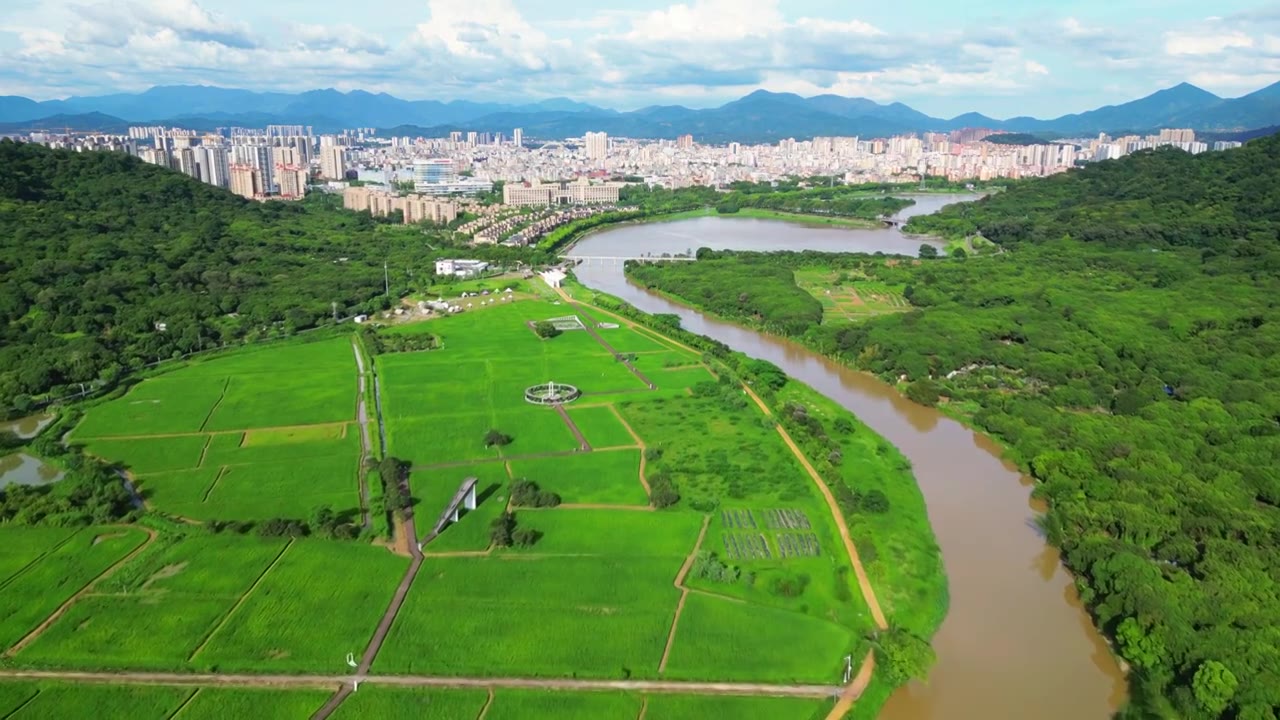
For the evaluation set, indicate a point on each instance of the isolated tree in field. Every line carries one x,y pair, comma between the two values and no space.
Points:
495,438
928,251
663,493
501,529
545,329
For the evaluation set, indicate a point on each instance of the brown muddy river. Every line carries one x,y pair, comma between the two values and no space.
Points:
1016,642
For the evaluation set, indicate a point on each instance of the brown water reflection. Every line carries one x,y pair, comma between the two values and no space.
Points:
1016,642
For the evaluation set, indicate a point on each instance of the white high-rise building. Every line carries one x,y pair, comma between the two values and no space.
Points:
517,137
597,145
214,166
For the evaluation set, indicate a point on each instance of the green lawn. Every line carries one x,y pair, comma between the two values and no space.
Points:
611,477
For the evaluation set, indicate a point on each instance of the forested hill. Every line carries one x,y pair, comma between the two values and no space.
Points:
97,248
1126,349
1224,202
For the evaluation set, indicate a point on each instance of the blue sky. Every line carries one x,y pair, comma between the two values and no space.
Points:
999,57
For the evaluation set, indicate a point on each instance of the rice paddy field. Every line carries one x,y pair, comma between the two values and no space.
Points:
258,434
600,591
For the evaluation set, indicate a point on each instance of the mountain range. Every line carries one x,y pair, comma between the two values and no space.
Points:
760,116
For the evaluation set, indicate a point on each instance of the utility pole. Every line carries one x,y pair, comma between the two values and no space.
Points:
335,310
386,279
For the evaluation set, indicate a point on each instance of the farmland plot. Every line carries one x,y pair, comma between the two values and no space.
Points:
611,477
394,702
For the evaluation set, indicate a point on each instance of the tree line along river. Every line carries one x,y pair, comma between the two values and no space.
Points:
1016,642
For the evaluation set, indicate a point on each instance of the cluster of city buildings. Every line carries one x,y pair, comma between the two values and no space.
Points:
283,161
415,208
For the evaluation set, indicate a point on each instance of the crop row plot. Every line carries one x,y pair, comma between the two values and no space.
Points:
746,546
798,544
787,519
738,519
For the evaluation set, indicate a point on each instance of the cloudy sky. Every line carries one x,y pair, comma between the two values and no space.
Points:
1000,57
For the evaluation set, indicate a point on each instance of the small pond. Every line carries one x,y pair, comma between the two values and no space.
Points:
24,469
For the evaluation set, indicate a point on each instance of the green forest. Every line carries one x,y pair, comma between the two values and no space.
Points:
1126,349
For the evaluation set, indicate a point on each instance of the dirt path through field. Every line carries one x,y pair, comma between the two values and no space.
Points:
388,618
679,687
639,443
855,688
583,445
684,593
362,417
863,581
44,625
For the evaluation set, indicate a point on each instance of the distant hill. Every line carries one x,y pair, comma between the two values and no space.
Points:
76,123
761,116
1013,139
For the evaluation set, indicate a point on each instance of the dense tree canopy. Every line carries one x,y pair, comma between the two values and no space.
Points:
110,263
1126,349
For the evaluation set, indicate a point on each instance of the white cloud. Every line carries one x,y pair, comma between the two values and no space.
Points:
1177,43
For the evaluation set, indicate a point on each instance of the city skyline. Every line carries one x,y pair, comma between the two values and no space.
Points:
998,58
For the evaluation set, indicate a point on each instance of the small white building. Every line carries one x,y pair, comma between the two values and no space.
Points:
461,268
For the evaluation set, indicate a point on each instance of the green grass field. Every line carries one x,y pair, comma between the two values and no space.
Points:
601,427
172,403
536,605
691,707
611,477
551,705
60,701
269,704
178,589
394,702
613,533
734,641
153,455
34,593
321,601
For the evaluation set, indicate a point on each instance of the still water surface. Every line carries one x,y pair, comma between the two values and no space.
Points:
24,469
26,427
1016,642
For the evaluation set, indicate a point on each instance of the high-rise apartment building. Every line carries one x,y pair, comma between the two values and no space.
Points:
214,168
685,142
246,181
517,137
333,163
292,181
597,145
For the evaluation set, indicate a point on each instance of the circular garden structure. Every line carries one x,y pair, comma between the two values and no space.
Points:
551,393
